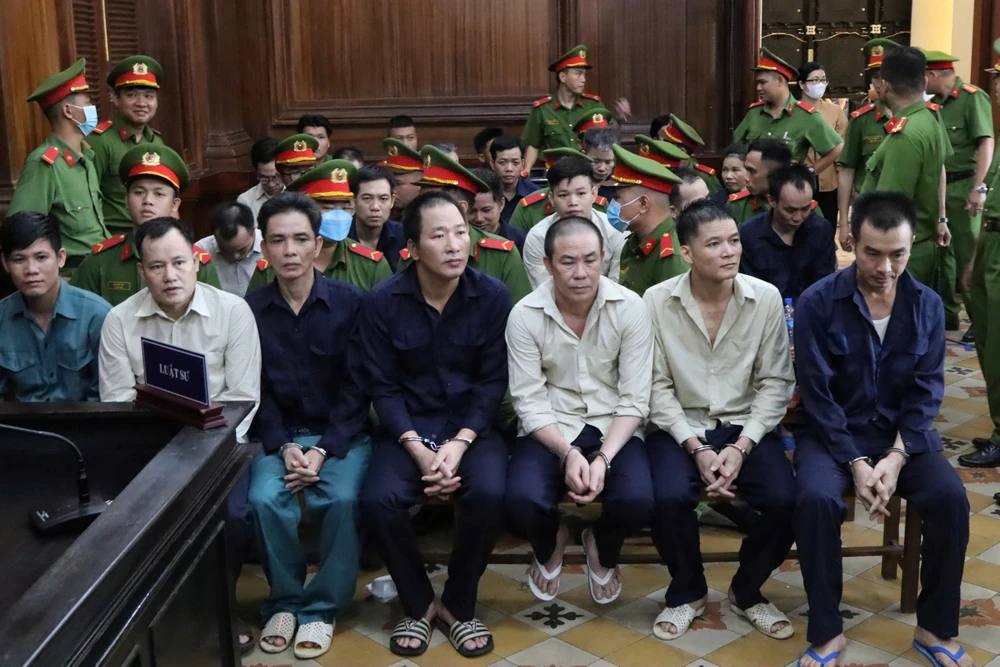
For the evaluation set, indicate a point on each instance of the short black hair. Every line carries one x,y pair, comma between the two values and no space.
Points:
287,202
400,121
446,147
227,218
883,211
350,154
568,168
566,226
413,216
314,120
807,69
157,228
263,151
658,124
484,136
506,142
490,179
772,150
905,69
459,195
697,214
371,174
797,175
23,228
735,150
601,138
687,175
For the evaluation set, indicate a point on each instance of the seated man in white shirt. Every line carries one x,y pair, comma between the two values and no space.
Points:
579,352
722,379
234,245
572,192
175,308
262,156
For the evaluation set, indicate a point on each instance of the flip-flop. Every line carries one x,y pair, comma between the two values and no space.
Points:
318,633
815,656
243,628
680,617
548,576
600,581
411,629
459,633
929,651
281,625
764,616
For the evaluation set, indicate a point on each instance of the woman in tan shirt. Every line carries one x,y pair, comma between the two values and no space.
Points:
813,83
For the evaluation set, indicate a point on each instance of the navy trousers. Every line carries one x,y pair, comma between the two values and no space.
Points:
536,483
935,489
394,486
238,517
765,482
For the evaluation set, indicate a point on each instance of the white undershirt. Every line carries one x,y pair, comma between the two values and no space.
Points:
881,326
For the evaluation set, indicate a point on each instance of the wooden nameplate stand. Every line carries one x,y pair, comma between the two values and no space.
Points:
183,410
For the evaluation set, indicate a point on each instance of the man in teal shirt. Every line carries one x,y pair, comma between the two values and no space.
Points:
49,330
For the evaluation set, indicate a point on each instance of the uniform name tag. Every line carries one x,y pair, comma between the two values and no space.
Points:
119,286
874,140
552,121
175,370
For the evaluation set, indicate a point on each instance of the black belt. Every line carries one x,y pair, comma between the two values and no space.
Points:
956,176
991,225
73,261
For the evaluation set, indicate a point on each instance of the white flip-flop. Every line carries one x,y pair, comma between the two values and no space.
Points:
317,632
600,581
548,576
764,616
680,617
281,625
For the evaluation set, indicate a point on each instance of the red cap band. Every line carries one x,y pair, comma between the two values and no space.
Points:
77,84
775,66
403,163
442,176
624,175
159,170
944,65
675,135
327,188
132,79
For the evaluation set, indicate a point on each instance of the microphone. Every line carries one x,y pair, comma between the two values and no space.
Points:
77,516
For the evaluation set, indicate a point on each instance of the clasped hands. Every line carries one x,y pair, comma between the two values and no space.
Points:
584,479
875,485
720,469
302,467
439,469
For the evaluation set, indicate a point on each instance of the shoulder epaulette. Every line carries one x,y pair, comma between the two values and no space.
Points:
742,194
262,264
50,155
404,254
813,205
534,197
203,256
897,125
600,201
364,251
666,246
705,168
862,111
933,107
538,103
969,88
589,96
155,131
802,105
497,244
108,243
756,104
103,127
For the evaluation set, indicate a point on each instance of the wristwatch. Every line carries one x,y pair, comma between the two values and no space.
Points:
982,189
943,220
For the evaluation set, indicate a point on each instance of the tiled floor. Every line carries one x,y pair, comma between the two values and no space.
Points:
572,630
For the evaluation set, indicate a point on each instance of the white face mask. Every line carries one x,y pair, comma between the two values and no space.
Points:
815,90
928,97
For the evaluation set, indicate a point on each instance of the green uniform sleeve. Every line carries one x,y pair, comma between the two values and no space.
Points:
258,280
36,189
821,136
382,271
946,148
743,129
515,277
208,275
896,171
519,218
88,275
531,135
980,116
851,155
102,156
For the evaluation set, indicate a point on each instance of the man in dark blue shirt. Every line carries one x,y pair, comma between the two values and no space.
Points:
486,210
433,344
870,345
310,421
507,152
372,205
788,246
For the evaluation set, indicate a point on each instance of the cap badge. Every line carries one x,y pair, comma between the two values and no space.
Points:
140,69
150,159
427,162
582,53
597,118
299,146
877,50
643,149
339,175
393,150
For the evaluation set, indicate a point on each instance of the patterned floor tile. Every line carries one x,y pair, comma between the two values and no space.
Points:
991,555
650,651
903,662
980,656
979,623
717,627
982,573
883,632
504,594
756,650
637,581
512,636
601,637
637,615
852,616
870,596
362,652
445,655
858,653
554,617
985,526
553,652
701,663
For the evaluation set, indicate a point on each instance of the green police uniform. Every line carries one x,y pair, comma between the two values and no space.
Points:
910,161
112,271
672,156
684,137
113,138
536,206
743,205
799,125
351,263
865,133
60,182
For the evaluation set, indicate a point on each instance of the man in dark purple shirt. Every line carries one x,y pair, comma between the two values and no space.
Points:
870,349
432,340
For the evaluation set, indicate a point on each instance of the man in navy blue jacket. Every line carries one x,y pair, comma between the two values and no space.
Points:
870,352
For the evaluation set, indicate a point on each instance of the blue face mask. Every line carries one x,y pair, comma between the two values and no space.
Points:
614,214
89,118
335,224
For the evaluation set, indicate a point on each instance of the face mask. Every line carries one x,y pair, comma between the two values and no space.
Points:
335,224
89,118
614,214
815,90
928,97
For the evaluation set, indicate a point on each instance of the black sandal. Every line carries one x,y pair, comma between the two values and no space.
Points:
410,629
460,632
243,628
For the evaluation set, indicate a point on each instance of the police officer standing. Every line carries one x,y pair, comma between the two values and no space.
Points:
136,83
59,177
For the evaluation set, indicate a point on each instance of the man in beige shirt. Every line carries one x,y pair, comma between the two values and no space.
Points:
175,308
572,193
579,350
722,378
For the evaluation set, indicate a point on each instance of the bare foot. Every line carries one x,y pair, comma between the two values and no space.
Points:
413,642
610,589
777,627
470,645
554,563
670,628
835,645
274,641
930,640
